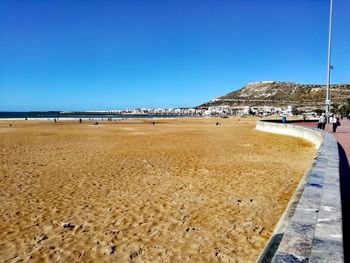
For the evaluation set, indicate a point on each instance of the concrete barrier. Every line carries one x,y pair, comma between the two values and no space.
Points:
310,230
310,134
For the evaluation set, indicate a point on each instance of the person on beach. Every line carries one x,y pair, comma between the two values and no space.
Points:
322,122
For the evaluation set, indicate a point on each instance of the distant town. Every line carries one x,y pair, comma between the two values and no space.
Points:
202,111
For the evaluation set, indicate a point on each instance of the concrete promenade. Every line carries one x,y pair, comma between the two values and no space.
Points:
311,228
342,135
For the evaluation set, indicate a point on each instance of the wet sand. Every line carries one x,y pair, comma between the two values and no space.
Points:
182,190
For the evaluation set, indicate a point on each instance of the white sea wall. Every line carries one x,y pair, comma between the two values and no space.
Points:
313,135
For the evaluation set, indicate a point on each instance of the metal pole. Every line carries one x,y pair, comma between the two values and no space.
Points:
328,97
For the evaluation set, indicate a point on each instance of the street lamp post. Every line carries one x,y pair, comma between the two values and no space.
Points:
329,68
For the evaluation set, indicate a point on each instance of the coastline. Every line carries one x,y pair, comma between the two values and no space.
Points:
96,118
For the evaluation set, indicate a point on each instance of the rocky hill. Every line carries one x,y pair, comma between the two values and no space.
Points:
272,93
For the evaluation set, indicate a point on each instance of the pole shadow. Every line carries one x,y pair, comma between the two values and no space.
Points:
344,171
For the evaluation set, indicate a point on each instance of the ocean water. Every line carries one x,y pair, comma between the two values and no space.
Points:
78,115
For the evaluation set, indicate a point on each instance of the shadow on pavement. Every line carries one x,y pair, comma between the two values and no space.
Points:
344,171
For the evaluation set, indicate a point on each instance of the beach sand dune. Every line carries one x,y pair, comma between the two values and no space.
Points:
182,190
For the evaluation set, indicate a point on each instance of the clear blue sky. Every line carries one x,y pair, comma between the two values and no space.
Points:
100,55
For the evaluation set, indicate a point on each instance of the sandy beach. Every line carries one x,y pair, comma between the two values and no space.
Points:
182,190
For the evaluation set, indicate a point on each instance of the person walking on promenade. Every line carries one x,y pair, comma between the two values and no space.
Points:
319,122
334,120
322,122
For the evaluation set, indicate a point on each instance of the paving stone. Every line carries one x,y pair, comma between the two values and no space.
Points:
314,232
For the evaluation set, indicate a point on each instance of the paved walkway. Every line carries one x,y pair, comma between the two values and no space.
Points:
343,137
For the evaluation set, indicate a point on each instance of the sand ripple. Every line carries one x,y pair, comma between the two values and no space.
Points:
177,191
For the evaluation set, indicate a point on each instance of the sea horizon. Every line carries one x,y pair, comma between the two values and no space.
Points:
37,115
